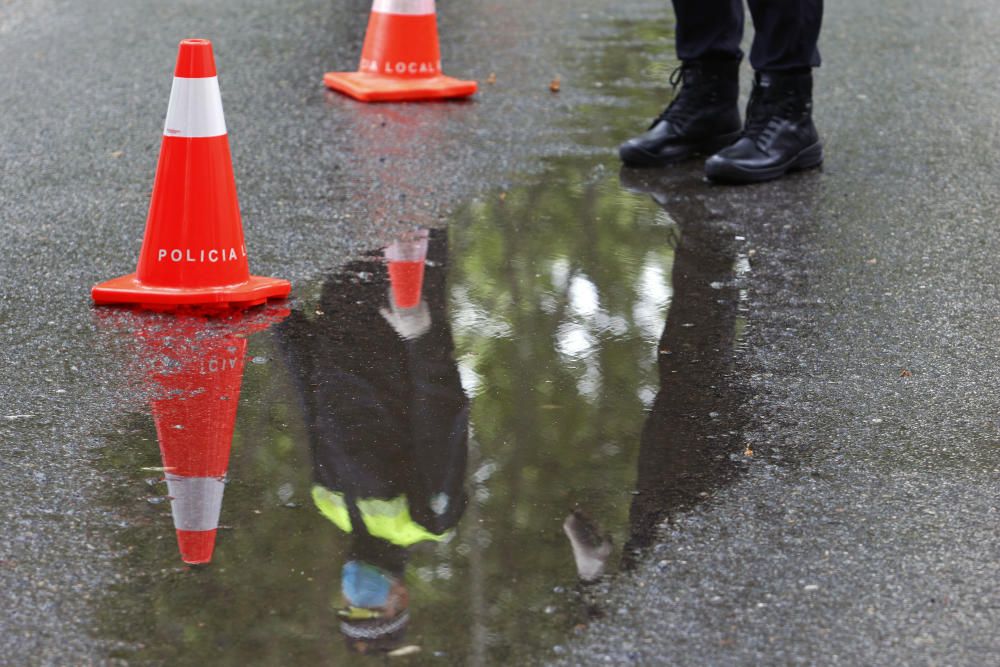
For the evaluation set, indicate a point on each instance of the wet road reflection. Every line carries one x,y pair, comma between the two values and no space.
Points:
387,422
687,443
444,437
192,369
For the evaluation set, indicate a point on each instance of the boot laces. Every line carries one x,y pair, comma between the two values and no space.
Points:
766,116
683,106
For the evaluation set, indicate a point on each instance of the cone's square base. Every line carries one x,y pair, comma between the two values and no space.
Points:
128,291
378,88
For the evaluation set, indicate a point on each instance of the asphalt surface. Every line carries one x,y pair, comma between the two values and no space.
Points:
864,530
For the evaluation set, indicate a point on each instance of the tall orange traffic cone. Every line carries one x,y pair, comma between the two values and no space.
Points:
407,257
193,252
196,373
401,57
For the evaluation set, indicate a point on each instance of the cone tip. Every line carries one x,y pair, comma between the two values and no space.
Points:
196,546
195,59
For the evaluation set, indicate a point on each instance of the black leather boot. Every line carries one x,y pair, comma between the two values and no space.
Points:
703,117
779,135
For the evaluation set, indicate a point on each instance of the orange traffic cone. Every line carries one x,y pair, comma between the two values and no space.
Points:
196,373
401,58
406,258
193,252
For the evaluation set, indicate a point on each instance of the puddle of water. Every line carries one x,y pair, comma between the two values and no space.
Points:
461,439
441,441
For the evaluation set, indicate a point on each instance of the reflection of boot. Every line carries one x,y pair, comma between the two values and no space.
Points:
591,548
666,187
779,137
703,117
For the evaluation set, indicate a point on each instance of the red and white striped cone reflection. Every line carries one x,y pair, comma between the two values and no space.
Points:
198,378
196,503
192,368
406,257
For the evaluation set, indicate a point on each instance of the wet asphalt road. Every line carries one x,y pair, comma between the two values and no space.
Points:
864,530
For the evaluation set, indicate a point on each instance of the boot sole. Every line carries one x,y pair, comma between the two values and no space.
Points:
731,174
633,156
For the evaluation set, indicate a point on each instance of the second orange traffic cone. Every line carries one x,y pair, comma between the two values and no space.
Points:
401,58
193,252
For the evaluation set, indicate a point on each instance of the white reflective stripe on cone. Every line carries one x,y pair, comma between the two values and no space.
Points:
197,501
195,109
411,7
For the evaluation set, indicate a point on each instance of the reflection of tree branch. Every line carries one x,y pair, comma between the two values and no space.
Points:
589,235
562,305
522,409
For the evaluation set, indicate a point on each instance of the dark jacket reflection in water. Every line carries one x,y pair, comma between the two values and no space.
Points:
388,427
686,442
693,424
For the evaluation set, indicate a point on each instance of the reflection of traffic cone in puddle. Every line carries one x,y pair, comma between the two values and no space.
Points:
197,373
401,57
193,252
406,258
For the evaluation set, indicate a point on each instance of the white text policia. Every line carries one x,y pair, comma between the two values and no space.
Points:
211,256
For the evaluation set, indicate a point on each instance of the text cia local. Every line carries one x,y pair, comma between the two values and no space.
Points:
211,256
372,66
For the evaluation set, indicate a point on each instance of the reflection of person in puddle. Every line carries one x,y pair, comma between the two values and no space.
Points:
686,440
388,424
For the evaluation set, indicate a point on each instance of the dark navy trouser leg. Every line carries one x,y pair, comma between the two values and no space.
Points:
786,32
709,29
